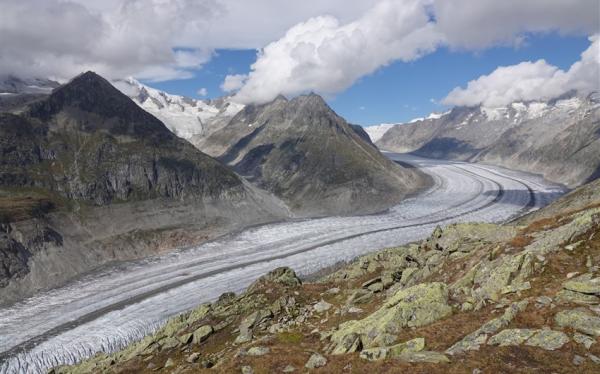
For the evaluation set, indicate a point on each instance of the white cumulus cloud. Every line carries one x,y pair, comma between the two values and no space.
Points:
529,81
202,92
326,56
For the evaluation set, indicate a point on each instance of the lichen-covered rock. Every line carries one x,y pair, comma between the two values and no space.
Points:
579,319
348,344
424,356
584,340
258,351
568,296
202,333
198,313
322,306
478,337
282,276
511,337
494,276
585,284
316,360
548,339
395,351
413,307
374,354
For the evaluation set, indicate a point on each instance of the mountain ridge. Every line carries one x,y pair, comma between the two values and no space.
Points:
519,136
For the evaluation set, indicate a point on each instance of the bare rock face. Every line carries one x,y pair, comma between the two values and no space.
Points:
559,138
313,159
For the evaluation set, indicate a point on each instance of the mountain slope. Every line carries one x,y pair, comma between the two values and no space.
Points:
309,156
87,176
559,139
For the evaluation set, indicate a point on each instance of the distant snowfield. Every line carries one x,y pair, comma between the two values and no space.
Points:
377,132
106,311
184,116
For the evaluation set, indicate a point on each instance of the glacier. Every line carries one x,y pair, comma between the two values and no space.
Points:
109,309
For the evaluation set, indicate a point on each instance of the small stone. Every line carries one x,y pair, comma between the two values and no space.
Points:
354,310
258,351
332,291
578,360
544,300
316,360
169,363
571,275
585,340
193,357
289,369
322,306
477,371
247,370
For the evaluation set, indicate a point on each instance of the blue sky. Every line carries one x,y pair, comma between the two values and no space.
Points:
401,91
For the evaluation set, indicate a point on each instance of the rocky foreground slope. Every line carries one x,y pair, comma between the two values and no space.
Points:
559,139
304,153
472,298
88,177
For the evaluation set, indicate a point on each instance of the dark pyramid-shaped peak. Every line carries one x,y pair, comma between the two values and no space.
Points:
88,92
113,110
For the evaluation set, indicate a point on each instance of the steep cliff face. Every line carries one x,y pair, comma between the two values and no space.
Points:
313,159
86,149
559,139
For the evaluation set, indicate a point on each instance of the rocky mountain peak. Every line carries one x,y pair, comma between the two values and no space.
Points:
311,100
90,93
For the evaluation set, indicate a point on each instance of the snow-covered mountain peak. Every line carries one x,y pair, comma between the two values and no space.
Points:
184,116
